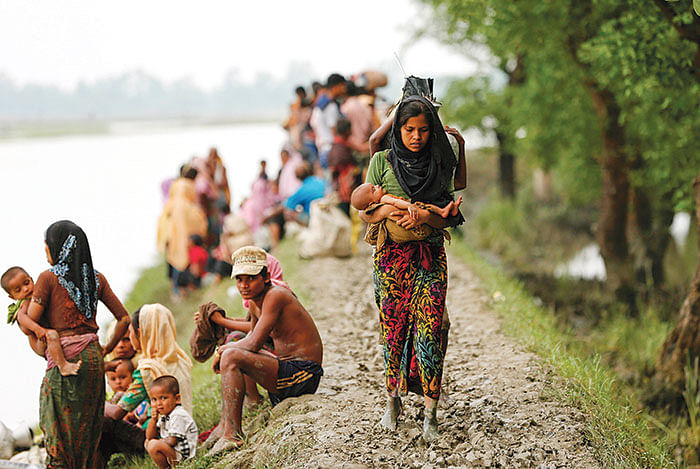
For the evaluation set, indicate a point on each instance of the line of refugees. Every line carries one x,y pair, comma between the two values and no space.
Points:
192,226
322,162
327,152
407,200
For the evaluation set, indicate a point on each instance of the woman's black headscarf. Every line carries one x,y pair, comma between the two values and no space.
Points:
70,253
426,175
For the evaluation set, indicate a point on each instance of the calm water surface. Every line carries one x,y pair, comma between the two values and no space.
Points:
110,186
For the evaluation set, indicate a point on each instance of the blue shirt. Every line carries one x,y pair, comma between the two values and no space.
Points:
311,189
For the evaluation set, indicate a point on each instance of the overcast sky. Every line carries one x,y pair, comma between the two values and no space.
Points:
64,42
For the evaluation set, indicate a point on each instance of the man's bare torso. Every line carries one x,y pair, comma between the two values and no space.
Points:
294,334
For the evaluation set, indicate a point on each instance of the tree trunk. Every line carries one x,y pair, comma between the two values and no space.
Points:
683,342
542,185
612,224
653,228
506,167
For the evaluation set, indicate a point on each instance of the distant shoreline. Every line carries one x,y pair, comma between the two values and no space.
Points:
11,129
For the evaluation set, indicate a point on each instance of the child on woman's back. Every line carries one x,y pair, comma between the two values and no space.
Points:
20,287
171,435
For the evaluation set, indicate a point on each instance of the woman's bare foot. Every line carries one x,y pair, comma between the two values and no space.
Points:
213,437
69,368
391,414
225,444
430,425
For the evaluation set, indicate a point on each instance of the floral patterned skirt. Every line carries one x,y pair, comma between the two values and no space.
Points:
410,284
72,410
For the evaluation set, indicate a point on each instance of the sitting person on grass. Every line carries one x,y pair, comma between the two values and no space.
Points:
20,287
275,313
171,435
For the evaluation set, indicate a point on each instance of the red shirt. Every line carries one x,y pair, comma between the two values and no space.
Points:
198,255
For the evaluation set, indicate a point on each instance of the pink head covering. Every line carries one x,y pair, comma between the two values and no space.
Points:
288,181
203,181
262,197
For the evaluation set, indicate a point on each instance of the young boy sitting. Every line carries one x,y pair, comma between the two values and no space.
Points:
119,377
20,287
381,209
171,435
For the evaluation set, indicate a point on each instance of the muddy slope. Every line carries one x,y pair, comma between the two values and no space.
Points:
500,411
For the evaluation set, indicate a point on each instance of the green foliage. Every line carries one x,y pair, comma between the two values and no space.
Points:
619,433
630,344
691,395
499,224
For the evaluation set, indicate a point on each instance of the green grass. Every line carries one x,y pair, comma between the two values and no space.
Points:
620,434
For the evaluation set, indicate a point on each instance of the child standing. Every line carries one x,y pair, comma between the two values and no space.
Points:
171,435
20,287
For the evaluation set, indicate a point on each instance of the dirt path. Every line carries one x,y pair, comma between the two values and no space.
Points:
500,412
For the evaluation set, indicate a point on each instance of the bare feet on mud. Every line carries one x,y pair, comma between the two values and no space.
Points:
251,404
430,425
391,414
224,444
213,437
69,368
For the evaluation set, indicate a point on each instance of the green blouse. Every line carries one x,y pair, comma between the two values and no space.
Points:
380,172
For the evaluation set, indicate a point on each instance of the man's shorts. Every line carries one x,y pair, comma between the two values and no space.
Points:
294,378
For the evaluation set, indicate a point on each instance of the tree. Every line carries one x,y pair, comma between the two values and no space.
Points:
594,61
683,342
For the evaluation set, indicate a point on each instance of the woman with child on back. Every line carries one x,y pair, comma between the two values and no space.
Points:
419,166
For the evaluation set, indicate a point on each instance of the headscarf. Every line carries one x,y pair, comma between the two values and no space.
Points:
262,197
426,175
181,218
70,253
161,353
203,181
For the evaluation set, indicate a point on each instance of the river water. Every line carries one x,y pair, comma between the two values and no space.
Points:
109,185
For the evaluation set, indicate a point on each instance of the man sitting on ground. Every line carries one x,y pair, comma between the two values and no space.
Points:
276,313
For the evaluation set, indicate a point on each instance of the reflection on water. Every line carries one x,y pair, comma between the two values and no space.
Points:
680,227
110,186
587,263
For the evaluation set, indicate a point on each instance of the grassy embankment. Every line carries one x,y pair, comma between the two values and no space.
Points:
604,354
152,287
